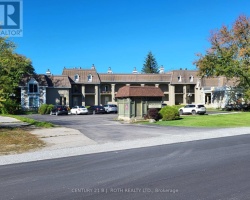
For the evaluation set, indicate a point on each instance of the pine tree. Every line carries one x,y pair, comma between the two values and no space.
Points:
150,65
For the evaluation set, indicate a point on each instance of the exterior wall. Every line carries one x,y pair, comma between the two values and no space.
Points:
136,107
89,100
105,99
39,98
171,95
56,96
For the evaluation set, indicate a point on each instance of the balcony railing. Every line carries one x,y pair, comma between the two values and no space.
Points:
106,92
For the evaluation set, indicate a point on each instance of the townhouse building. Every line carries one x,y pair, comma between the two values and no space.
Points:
77,86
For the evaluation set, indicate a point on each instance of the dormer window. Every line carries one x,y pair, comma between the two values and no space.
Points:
191,78
76,78
90,78
179,78
33,86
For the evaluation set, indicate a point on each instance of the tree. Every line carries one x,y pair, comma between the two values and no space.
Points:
150,65
12,67
229,54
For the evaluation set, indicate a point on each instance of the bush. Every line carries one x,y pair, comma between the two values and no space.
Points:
153,113
169,113
45,109
49,108
9,107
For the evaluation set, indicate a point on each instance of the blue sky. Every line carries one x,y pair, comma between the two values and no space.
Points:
120,33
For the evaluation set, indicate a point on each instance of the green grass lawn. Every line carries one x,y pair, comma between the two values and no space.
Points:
221,120
31,121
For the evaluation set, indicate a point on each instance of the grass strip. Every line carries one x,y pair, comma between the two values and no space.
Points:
31,121
220,120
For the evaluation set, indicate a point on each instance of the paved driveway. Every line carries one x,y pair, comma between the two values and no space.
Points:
103,128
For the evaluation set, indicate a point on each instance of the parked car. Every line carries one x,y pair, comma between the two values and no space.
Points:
109,108
237,107
59,110
193,109
77,110
96,109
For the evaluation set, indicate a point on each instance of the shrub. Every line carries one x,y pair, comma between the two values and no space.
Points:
169,113
9,107
49,108
45,109
42,109
153,113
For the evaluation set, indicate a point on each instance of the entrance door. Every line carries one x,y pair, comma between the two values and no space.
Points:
138,108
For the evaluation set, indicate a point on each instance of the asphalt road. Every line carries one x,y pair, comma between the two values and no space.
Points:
104,128
216,169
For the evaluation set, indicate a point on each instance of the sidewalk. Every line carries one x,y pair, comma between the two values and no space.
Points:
11,122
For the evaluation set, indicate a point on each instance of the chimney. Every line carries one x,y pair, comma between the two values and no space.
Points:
48,73
93,66
161,70
134,71
109,71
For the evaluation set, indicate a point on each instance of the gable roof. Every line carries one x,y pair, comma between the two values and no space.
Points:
219,81
47,81
41,79
139,91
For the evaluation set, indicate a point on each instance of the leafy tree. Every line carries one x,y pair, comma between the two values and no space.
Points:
12,67
150,65
229,54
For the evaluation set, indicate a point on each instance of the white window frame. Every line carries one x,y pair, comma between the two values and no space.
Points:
90,78
33,82
76,77
191,78
179,78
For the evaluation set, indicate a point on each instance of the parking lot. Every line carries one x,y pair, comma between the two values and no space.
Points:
104,128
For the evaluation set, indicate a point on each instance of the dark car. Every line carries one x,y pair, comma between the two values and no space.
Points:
59,110
96,110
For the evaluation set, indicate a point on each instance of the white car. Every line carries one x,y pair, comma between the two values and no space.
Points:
193,109
77,110
109,108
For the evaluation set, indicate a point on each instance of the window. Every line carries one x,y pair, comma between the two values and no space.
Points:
106,88
76,78
33,102
179,78
191,78
33,88
90,78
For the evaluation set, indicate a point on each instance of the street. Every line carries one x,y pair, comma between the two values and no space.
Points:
207,169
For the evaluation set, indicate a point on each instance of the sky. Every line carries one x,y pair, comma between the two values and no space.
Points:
120,33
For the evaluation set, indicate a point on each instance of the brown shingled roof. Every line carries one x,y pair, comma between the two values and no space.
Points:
219,81
139,91
41,79
185,76
132,78
48,81
83,75
58,81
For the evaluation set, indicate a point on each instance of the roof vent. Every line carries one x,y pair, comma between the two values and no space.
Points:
93,66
